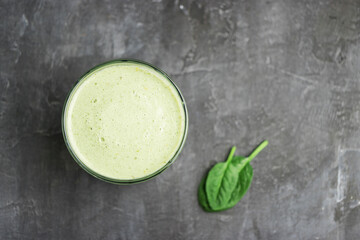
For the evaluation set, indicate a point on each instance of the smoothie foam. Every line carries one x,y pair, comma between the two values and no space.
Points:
124,120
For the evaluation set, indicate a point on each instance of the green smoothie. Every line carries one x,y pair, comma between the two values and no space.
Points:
124,120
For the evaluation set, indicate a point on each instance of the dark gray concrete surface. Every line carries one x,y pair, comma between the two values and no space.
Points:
286,71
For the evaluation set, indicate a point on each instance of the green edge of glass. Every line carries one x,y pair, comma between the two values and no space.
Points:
114,180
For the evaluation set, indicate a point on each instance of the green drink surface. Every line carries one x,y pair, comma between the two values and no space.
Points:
124,120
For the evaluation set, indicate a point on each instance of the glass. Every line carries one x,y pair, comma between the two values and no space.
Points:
124,181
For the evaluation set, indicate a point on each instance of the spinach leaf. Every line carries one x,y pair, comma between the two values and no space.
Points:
220,182
243,183
202,196
227,182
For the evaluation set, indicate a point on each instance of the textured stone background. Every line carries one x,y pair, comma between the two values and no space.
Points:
287,71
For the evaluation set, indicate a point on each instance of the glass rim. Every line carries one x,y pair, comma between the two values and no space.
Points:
115,180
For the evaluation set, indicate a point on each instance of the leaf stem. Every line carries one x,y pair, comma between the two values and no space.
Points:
231,154
258,150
